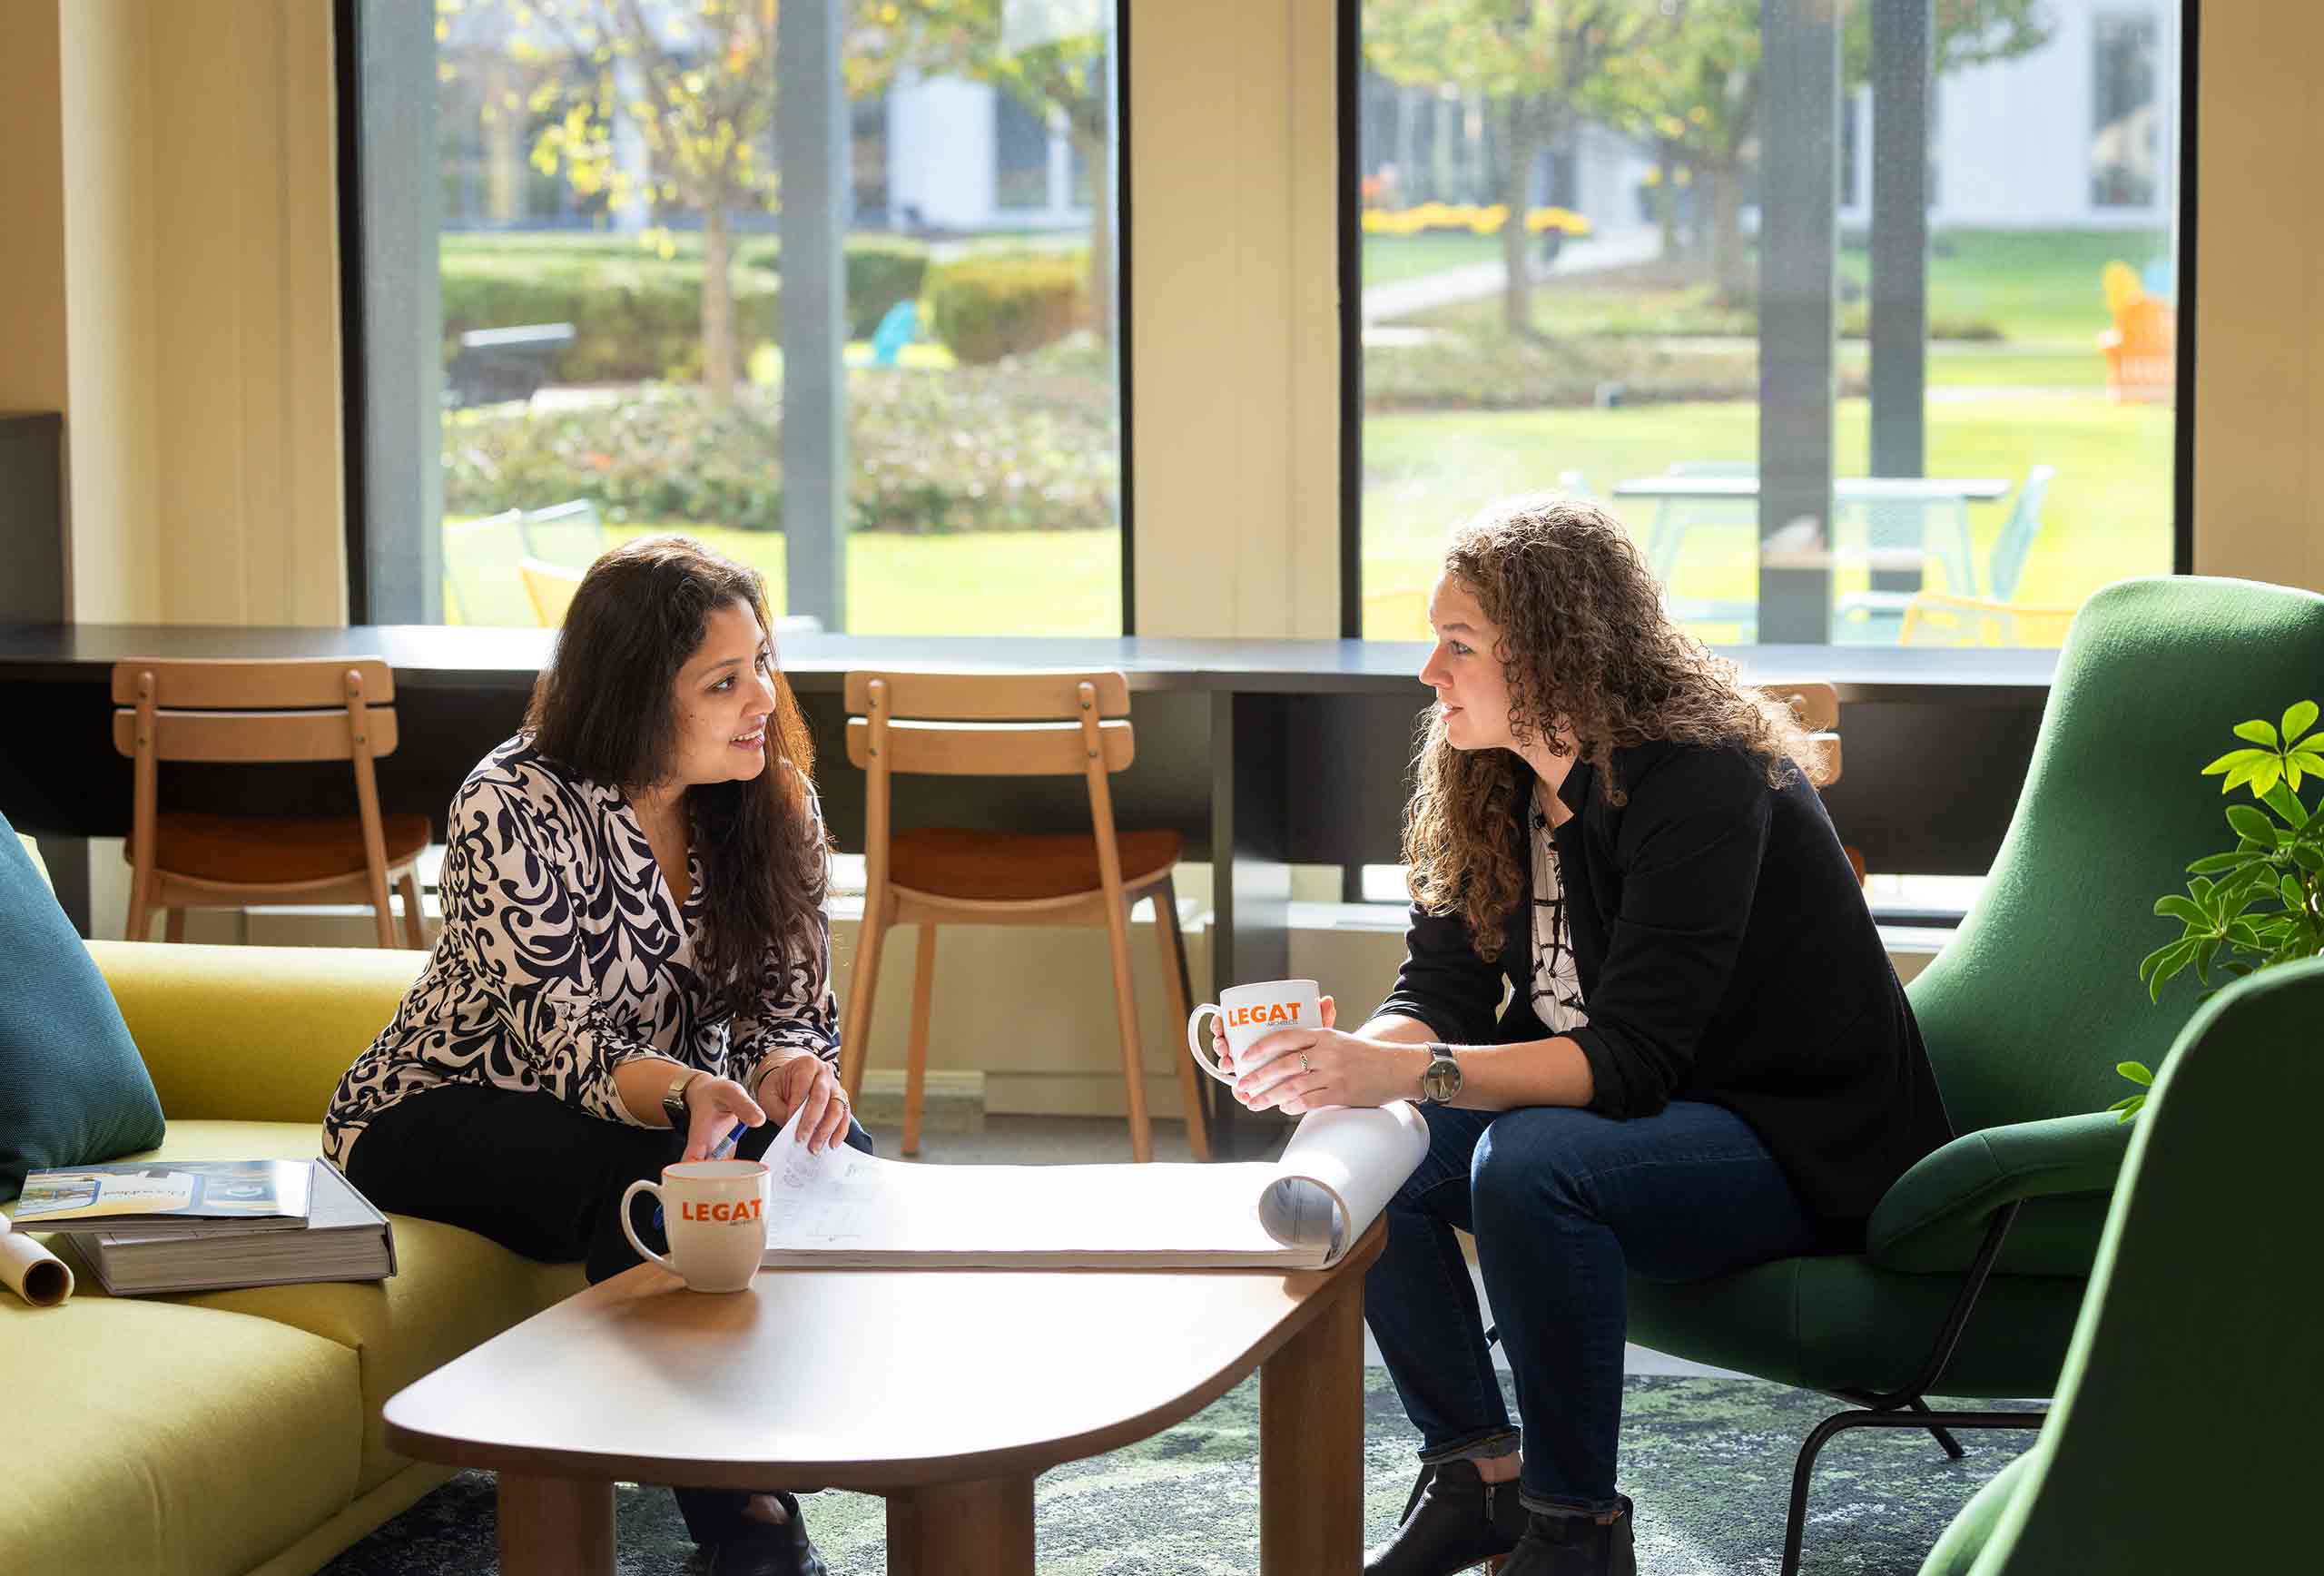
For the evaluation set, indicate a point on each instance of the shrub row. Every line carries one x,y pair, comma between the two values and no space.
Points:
1463,372
637,315
986,308
1006,447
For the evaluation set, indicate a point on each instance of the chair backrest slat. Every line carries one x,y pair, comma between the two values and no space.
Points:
985,697
1817,705
990,750
254,683
247,738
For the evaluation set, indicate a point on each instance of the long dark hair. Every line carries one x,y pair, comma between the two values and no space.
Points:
1584,641
604,707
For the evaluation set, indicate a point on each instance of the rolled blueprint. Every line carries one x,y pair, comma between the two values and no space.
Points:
31,1271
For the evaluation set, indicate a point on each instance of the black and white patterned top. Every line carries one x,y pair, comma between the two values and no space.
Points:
1557,982
565,954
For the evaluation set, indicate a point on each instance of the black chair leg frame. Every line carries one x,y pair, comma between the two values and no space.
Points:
1904,1408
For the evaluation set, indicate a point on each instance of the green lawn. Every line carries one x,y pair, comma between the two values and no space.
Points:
1389,258
977,583
2041,289
2108,513
2037,285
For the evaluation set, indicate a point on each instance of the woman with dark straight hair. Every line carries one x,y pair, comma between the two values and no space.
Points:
1651,1024
635,960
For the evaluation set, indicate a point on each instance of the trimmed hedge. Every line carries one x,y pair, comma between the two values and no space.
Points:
988,307
637,315
1011,447
632,319
1453,371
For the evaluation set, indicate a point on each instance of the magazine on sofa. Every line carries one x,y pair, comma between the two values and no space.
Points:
844,1210
343,1238
185,1197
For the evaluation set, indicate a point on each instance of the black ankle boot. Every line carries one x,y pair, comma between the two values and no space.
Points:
766,1550
1455,1519
1574,1546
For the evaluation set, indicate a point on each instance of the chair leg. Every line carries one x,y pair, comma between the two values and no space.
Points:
174,924
1141,1136
1914,1415
1944,1435
1177,988
923,982
855,1032
137,925
414,926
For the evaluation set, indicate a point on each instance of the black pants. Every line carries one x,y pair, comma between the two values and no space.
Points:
544,1179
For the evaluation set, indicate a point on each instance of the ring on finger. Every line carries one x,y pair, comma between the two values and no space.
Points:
1304,1067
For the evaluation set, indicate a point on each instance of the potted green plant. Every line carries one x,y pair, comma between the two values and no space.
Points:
2263,901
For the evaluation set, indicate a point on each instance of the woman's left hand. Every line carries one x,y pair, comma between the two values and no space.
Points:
1304,1070
805,1080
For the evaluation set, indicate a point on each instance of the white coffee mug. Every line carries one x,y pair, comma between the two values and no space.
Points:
715,1214
1249,1014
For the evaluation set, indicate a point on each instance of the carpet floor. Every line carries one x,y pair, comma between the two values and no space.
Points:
1708,1461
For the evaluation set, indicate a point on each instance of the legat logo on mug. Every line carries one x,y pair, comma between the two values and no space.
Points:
715,1212
1248,1014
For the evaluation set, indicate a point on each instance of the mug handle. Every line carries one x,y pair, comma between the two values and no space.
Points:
1201,1053
630,1230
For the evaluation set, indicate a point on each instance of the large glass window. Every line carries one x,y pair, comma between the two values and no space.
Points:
610,252
1656,255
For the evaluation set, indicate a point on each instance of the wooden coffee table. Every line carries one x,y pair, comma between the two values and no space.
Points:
946,1391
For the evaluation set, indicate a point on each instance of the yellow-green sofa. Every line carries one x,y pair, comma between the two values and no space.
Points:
223,1432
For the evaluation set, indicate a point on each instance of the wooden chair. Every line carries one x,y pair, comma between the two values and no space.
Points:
1007,725
246,713
1817,706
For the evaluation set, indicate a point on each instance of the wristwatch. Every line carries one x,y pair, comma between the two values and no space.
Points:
1440,1081
673,1098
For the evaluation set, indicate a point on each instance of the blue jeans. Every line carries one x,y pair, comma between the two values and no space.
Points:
1563,1203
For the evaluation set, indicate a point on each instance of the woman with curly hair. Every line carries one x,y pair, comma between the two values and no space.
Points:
1705,1060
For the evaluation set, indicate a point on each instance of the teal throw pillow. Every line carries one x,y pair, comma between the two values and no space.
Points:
72,1088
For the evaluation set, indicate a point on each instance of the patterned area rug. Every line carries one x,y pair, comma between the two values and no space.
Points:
1709,1462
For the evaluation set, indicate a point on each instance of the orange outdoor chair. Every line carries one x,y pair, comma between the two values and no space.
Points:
1008,724
249,712
2141,351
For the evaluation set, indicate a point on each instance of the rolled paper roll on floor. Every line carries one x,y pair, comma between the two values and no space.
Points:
31,1271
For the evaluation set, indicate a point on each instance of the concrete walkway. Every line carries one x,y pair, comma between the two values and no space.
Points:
1483,281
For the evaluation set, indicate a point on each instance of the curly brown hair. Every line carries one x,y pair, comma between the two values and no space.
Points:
1584,643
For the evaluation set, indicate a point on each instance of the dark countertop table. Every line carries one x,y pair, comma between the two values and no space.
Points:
1264,754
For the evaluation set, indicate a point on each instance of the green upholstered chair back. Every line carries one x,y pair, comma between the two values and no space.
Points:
2199,1327
2037,997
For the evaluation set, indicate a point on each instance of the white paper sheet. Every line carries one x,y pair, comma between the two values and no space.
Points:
843,1208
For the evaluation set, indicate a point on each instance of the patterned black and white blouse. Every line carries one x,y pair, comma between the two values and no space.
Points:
1557,982
565,954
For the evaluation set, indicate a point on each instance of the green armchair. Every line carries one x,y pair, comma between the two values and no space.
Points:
2199,1329
1976,1262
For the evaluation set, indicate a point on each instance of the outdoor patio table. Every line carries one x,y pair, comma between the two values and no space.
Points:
1954,495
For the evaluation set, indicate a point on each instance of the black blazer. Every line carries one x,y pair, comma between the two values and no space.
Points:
1726,954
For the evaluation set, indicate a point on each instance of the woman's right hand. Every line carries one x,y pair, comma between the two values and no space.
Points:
714,1108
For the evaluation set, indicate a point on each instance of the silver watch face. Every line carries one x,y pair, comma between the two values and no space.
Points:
1441,1082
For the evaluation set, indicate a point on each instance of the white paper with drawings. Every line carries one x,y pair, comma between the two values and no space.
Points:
843,1208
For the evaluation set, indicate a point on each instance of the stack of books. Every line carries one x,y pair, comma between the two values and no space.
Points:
184,1226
